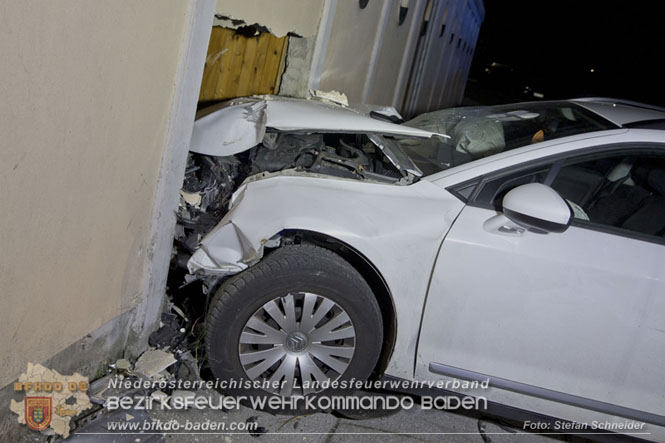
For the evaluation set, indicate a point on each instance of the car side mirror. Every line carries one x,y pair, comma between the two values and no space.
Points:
538,207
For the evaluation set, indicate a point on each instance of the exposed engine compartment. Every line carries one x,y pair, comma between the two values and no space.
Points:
211,180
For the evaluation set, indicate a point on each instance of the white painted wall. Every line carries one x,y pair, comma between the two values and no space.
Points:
279,16
350,47
396,53
441,66
366,53
374,59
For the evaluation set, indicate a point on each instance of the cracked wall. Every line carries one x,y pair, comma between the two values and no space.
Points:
239,65
279,17
284,19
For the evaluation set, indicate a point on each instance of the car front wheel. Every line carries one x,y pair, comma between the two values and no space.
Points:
301,321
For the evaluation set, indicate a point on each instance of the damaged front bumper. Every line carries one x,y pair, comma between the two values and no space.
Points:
201,263
231,252
226,250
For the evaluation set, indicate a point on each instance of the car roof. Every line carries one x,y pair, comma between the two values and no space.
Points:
621,112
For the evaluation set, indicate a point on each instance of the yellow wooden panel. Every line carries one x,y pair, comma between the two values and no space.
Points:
224,54
237,66
269,73
228,87
246,68
213,66
261,53
281,66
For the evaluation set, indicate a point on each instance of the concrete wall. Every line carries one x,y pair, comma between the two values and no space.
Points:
86,109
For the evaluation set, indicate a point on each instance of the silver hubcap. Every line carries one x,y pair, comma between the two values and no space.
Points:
299,343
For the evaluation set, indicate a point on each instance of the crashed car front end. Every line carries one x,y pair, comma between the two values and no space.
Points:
319,173
252,138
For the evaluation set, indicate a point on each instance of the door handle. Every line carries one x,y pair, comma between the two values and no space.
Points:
502,225
511,230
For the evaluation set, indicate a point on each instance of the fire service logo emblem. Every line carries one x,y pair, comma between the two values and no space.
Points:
38,412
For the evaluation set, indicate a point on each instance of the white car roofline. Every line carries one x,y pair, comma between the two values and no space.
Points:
618,101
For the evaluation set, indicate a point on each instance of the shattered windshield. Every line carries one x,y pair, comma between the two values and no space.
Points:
481,131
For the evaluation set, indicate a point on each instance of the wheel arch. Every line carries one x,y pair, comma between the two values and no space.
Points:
369,272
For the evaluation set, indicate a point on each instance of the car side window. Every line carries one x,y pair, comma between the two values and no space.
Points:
624,191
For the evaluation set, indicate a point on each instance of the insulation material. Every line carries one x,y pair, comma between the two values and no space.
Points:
238,65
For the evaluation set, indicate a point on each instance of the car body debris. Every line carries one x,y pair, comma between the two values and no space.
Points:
153,362
123,365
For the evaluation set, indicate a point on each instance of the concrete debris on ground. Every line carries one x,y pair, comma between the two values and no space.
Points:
169,358
123,365
151,363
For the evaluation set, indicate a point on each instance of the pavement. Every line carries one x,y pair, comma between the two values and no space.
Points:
156,422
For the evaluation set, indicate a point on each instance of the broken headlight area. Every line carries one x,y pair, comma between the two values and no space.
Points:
353,156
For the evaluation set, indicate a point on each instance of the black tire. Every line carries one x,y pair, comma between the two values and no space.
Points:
292,269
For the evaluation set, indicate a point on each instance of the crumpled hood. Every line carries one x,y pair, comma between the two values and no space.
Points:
241,124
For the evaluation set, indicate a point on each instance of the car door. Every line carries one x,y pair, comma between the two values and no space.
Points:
576,317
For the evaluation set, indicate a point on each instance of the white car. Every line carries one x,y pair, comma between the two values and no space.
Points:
521,244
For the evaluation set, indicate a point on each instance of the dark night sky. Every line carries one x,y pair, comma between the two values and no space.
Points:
554,45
